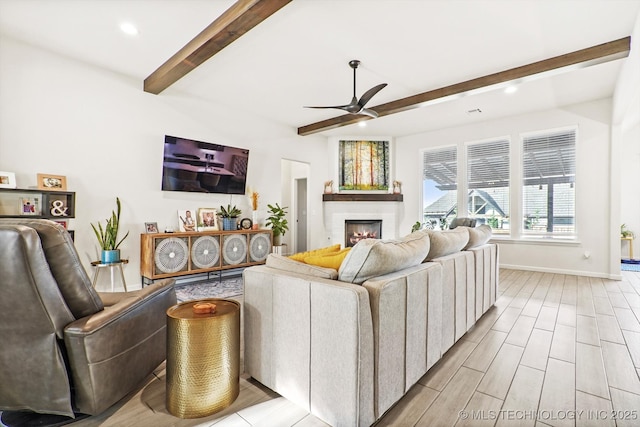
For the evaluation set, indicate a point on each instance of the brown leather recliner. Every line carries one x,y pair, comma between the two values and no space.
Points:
65,348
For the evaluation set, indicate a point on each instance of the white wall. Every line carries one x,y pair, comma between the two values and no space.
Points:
592,184
101,131
626,120
629,181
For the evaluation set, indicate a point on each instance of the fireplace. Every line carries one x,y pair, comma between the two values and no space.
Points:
337,212
359,229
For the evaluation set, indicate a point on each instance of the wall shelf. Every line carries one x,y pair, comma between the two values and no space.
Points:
362,197
30,203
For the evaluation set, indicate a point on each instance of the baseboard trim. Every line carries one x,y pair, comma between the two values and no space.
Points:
563,271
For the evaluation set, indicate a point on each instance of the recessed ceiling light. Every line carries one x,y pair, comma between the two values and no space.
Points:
511,89
129,28
362,124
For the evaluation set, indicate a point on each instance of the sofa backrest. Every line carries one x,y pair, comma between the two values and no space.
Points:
372,257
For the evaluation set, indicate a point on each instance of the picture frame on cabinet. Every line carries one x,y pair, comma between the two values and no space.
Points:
207,219
151,227
187,220
7,180
52,182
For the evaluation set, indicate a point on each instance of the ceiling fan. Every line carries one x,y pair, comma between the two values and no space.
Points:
356,106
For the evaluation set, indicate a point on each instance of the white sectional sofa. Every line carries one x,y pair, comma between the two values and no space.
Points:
348,344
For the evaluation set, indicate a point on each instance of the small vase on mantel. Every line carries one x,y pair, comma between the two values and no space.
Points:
397,187
328,187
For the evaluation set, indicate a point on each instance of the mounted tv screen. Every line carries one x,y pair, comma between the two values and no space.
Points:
197,166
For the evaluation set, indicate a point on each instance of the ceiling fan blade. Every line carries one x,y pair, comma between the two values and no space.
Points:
357,106
369,112
339,107
370,93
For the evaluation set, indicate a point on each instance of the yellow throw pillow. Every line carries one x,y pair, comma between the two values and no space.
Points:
300,256
330,260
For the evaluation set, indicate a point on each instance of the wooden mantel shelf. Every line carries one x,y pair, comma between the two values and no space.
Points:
362,197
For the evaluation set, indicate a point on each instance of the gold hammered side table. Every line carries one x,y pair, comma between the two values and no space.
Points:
203,358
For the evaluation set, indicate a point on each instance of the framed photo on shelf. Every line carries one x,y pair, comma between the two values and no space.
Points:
7,180
29,206
187,220
52,182
207,219
151,227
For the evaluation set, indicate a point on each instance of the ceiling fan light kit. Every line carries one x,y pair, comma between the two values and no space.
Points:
357,106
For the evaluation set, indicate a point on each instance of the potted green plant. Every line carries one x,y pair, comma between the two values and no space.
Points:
277,221
229,217
108,236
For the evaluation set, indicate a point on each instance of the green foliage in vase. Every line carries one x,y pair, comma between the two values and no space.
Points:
229,211
276,219
108,235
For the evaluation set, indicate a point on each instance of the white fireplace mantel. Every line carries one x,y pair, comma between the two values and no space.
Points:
337,212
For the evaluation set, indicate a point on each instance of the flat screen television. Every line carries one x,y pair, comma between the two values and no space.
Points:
196,166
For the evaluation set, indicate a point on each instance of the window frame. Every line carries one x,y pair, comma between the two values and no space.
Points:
536,234
493,140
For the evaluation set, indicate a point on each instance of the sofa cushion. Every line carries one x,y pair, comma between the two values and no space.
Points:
372,257
462,222
287,264
300,256
478,236
446,242
330,260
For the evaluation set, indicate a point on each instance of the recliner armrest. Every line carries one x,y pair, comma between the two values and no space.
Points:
112,351
120,303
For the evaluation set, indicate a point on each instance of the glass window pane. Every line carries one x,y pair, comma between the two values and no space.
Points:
549,165
488,184
439,187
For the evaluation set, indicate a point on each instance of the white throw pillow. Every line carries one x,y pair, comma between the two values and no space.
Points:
446,242
372,258
478,236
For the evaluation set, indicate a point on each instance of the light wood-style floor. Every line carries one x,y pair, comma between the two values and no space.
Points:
556,350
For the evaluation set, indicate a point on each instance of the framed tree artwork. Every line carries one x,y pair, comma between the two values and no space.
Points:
363,165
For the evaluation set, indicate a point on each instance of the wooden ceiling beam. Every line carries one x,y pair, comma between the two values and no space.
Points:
241,17
579,59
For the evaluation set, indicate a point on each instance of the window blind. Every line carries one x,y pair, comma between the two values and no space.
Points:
548,194
440,186
488,183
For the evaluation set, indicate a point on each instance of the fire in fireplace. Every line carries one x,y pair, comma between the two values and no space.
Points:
358,229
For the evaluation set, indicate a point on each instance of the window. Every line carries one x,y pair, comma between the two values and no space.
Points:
488,183
548,193
439,187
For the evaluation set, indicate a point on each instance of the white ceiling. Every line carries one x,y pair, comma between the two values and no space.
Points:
299,56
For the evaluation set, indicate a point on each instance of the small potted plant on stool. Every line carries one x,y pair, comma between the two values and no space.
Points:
108,236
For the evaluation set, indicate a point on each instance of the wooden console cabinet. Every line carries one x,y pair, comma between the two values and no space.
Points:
178,254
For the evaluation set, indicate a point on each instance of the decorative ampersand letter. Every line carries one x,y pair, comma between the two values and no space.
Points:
58,208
